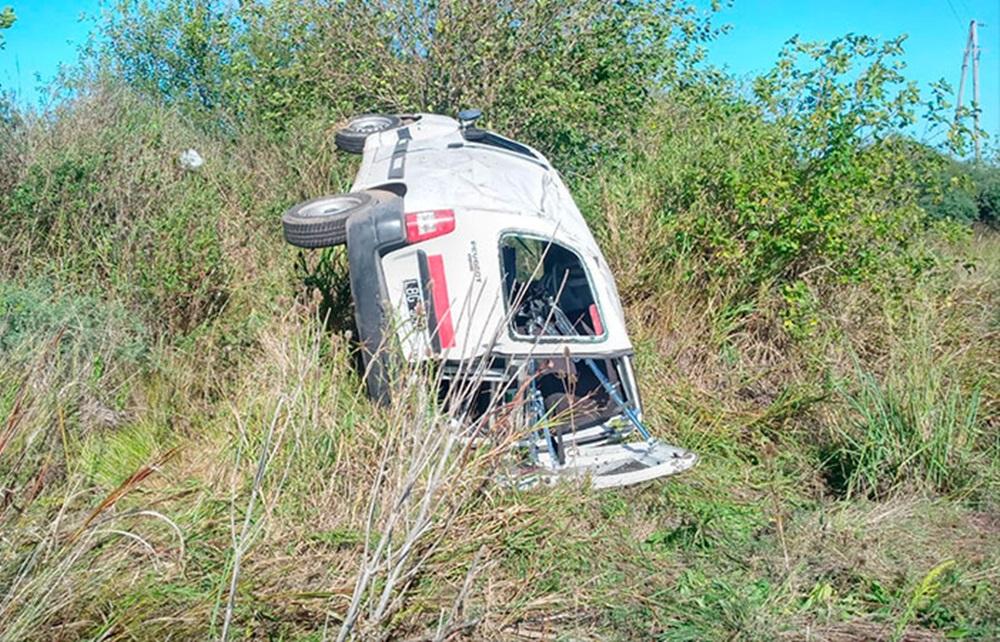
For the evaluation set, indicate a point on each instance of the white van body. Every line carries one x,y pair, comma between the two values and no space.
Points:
458,296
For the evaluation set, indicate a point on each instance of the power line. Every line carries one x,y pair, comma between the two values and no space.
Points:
955,13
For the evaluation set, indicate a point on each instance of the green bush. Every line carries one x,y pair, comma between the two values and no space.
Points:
102,203
988,194
97,200
34,312
7,19
570,78
962,191
808,181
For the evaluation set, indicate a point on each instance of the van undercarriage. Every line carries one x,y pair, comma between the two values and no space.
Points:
572,418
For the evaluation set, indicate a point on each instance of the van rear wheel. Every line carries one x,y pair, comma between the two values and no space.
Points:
322,222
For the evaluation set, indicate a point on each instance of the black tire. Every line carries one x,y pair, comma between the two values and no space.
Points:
322,222
351,138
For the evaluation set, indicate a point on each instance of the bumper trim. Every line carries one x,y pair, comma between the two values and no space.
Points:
370,236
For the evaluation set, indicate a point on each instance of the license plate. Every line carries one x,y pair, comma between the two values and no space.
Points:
414,295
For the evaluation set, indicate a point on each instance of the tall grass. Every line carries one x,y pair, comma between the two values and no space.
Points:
63,389
299,509
926,435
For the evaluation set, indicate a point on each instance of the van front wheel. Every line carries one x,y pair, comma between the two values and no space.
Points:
351,137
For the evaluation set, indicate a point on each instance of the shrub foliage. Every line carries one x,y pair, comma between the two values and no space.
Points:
573,78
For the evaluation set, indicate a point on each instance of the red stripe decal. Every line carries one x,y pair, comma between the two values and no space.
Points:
442,308
595,320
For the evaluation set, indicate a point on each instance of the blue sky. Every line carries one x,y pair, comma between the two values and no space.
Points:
48,33
936,31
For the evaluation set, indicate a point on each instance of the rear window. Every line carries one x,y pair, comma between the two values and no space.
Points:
547,290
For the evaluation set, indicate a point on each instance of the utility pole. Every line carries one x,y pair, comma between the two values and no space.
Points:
974,38
971,51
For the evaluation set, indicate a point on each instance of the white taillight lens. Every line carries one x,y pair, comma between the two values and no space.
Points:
421,226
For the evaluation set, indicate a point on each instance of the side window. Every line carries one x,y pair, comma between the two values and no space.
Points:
547,289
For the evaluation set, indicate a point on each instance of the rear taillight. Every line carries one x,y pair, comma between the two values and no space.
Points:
421,226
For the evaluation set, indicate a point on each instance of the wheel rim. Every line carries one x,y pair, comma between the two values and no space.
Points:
370,124
330,206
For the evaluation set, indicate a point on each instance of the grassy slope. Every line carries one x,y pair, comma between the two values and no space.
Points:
128,459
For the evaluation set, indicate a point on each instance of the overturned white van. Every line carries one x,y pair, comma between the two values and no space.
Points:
467,251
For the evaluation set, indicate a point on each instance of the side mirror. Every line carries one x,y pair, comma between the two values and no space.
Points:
468,116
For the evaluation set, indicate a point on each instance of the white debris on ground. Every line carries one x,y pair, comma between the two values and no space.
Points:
191,160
